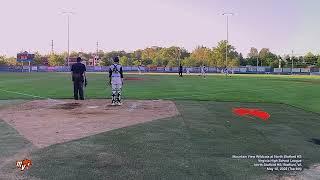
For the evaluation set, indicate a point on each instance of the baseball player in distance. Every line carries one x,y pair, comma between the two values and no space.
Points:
203,71
116,81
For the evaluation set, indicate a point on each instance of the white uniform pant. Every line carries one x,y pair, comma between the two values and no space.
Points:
116,92
203,73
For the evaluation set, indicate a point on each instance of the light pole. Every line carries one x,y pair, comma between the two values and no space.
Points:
68,13
179,56
227,19
291,62
257,63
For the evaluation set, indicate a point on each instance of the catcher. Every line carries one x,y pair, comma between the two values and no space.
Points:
116,81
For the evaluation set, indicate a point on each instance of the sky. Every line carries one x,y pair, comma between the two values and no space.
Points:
281,25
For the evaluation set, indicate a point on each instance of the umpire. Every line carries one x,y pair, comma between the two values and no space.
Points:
79,79
180,70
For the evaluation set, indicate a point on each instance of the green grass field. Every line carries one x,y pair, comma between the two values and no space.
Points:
299,91
197,144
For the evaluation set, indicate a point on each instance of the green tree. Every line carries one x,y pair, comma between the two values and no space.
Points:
219,55
169,56
74,54
37,59
148,55
265,57
252,57
107,58
271,59
11,61
202,56
253,53
138,54
56,60
242,61
125,61
86,56
7,61
318,61
189,62
3,61
263,54
310,59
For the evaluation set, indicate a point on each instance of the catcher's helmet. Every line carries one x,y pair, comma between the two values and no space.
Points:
116,59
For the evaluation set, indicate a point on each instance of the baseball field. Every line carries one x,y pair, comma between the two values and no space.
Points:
168,127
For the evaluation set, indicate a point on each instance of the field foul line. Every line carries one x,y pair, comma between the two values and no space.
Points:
24,94
21,80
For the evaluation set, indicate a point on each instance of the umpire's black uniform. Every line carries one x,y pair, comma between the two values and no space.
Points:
180,70
78,78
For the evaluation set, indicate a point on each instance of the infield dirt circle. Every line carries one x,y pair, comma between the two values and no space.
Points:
47,122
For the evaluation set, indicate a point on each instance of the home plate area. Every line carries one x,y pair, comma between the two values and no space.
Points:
47,122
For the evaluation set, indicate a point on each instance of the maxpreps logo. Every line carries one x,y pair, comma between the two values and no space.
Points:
24,164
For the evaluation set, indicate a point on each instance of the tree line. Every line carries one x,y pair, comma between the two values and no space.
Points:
174,56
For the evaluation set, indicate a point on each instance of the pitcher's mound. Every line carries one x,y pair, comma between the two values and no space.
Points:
47,122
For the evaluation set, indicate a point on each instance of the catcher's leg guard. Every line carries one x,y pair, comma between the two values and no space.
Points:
114,98
118,88
114,94
119,96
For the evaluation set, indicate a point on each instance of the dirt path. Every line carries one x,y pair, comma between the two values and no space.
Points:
47,122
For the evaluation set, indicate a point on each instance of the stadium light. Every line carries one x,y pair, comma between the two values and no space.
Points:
68,13
292,62
227,20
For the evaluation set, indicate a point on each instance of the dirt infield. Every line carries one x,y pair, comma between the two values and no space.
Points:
47,122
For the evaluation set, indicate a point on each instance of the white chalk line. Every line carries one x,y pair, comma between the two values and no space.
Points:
30,95
21,80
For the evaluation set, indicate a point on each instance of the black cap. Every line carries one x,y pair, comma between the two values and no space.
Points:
116,59
78,59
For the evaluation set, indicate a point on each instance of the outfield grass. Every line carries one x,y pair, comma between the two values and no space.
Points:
299,91
197,144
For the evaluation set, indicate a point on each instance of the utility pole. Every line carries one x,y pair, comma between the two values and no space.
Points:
52,47
257,63
178,54
96,58
68,40
97,47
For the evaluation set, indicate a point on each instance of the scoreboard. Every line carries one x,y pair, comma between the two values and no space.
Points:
25,57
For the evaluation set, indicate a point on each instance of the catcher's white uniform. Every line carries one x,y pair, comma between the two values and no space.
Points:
116,75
